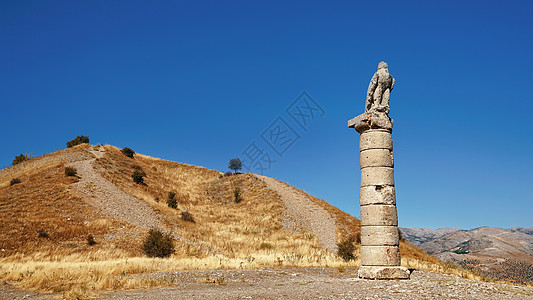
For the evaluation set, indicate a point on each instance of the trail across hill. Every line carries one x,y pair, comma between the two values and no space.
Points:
309,214
113,202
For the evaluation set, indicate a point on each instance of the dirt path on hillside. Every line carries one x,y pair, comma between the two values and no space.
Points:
307,213
113,202
117,204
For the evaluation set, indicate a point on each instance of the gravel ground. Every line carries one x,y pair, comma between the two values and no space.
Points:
320,283
305,283
311,215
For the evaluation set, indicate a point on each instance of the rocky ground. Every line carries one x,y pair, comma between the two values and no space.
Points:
305,283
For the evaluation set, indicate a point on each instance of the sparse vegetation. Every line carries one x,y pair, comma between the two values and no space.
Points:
235,164
186,216
53,265
138,176
19,159
171,201
266,246
128,152
346,248
70,171
90,240
81,139
158,244
237,194
14,181
42,233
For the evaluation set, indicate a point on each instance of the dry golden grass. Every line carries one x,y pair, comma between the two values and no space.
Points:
247,234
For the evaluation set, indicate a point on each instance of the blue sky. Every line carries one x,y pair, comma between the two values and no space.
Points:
199,81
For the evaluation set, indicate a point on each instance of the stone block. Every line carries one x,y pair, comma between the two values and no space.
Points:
379,215
382,272
375,139
377,176
377,158
380,236
377,195
380,256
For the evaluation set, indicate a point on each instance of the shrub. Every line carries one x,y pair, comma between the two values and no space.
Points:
237,194
138,176
235,164
186,216
81,139
266,246
346,248
90,240
70,171
172,202
158,244
14,181
19,159
128,152
42,233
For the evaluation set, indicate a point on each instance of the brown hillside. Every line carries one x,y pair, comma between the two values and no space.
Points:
104,201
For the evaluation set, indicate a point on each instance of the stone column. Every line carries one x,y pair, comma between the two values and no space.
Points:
380,251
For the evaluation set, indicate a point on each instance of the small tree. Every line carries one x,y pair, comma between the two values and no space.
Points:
128,152
172,202
81,139
70,171
237,194
235,164
138,176
158,244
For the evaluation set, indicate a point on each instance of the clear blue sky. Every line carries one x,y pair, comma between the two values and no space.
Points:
198,82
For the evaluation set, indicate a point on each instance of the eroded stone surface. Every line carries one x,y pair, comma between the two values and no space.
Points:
380,235
371,120
380,256
375,139
377,158
377,195
373,272
379,215
377,176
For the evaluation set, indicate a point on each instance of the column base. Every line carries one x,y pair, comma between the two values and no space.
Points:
383,272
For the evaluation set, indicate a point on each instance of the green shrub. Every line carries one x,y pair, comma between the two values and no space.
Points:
158,244
19,159
70,171
186,216
14,181
81,139
237,194
138,176
172,202
346,248
128,152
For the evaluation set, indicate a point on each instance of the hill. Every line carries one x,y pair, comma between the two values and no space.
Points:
502,254
81,234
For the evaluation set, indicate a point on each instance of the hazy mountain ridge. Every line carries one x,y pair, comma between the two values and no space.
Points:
495,252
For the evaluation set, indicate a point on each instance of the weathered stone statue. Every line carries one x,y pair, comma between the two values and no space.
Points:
380,251
378,94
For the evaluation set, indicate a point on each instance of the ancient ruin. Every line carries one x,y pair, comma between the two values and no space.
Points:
380,251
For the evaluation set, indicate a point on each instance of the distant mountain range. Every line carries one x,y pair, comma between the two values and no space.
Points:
503,254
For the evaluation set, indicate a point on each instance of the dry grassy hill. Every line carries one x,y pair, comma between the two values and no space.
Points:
48,217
